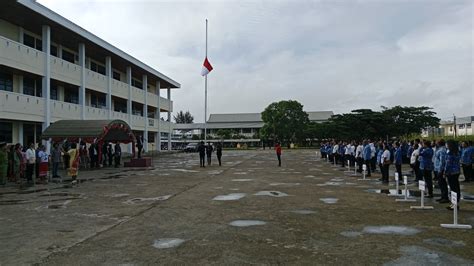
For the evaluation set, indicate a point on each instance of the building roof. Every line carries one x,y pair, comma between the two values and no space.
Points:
257,117
107,130
464,120
63,26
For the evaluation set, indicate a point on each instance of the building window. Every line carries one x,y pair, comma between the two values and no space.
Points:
137,84
461,126
116,75
71,96
98,101
450,129
246,130
32,86
468,125
6,82
97,68
53,95
54,50
120,106
68,56
6,132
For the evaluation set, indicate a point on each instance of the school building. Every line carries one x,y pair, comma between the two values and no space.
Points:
52,69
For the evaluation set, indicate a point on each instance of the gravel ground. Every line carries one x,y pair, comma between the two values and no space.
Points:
249,211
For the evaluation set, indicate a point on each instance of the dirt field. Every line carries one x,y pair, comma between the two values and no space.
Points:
306,212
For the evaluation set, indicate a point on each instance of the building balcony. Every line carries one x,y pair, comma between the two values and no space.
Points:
19,106
25,58
19,56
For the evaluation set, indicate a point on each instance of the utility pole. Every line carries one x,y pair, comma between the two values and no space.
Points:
454,124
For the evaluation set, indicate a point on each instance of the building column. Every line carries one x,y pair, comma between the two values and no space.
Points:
158,109
46,37
108,72
169,119
82,88
145,111
20,134
129,102
20,84
20,35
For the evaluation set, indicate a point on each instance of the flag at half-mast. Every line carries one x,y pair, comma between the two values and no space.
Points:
206,67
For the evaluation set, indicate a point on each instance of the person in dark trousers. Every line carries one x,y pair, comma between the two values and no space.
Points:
110,153
139,146
398,160
117,154
56,159
466,161
209,150
278,153
38,160
427,157
93,154
219,152
452,169
202,153
65,149
439,165
105,153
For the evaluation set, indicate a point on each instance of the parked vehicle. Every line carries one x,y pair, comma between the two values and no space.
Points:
191,147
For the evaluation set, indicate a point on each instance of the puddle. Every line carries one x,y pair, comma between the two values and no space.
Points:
329,200
309,176
391,230
415,255
329,184
231,196
468,197
242,180
140,200
218,187
61,194
285,184
240,173
303,212
119,195
271,194
337,179
184,170
215,172
234,189
351,233
113,177
245,223
388,191
167,243
444,242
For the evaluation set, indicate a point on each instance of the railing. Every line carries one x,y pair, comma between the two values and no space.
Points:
65,71
64,110
96,81
21,106
20,56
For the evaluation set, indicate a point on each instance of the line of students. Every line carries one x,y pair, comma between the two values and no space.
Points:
442,159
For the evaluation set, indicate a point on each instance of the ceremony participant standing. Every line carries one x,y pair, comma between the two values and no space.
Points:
367,155
117,154
56,159
3,163
385,163
139,146
466,161
74,159
209,150
439,165
219,152
398,159
358,155
427,163
30,162
452,169
43,165
202,154
278,153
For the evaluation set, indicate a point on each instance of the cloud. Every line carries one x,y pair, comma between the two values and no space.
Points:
329,55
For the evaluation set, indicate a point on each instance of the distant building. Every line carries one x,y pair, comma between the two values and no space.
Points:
245,125
463,127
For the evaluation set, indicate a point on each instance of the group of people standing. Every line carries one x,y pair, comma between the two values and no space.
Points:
19,164
206,151
440,159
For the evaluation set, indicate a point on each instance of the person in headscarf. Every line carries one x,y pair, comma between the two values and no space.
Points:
74,160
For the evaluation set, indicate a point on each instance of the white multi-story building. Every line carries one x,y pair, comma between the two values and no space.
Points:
52,69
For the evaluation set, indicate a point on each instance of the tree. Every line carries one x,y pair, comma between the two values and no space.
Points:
406,120
284,120
183,118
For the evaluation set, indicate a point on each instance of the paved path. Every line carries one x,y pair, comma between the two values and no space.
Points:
307,212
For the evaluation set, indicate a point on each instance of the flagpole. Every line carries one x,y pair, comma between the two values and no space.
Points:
205,97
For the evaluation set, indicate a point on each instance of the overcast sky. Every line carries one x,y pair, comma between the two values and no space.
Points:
328,55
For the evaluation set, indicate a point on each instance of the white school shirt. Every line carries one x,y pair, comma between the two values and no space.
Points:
44,156
372,150
335,148
348,150
30,156
414,154
359,151
385,156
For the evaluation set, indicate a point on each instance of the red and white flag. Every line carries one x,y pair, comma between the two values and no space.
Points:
206,67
